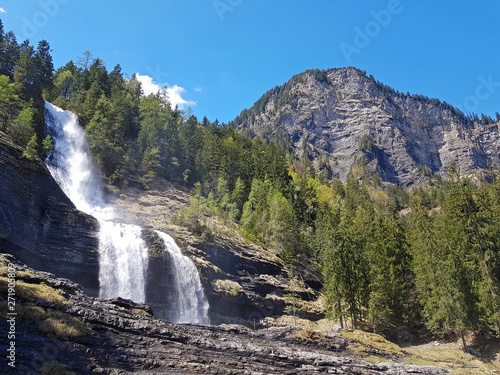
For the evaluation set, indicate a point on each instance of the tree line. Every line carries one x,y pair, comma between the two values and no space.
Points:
25,74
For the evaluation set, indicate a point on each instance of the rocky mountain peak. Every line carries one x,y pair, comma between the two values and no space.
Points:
341,118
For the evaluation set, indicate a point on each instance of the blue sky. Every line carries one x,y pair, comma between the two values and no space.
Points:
220,56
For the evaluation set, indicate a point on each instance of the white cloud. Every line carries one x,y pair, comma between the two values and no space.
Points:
174,96
174,93
2,10
147,84
198,89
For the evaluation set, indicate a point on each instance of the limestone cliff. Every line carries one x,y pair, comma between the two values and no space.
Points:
40,225
324,115
243,282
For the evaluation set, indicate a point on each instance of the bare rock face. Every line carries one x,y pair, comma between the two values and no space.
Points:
125,339
242,284
325,114
40,225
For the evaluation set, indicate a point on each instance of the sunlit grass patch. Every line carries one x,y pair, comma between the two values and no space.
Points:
63,325
375,359
51,322
307,335
141,312
358,349
31,292
4,271
373,340
455,360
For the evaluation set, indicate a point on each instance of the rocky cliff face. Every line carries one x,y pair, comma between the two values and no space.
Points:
325,114
243,282
121,337
40,225
243,285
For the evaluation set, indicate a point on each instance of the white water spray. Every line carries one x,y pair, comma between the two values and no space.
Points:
191,305
123,254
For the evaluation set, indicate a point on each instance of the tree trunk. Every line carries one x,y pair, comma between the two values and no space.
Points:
465,348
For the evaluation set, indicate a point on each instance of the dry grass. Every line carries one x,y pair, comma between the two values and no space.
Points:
55,368
27,312
358,349
375,359
228,287
455,360
307,335
51,322
32,292
323,325
4,271
141,312
373,340
63,325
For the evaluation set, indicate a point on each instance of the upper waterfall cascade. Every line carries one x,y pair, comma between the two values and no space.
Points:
123,254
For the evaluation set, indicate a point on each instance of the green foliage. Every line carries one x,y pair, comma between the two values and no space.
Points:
425,170
455,255
31,148
21,130
391,273
366,143
48,144
9,102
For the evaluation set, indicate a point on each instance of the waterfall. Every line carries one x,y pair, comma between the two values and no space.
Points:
71,163
123,255
191,305
123,261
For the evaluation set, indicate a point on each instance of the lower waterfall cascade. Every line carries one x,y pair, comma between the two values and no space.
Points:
192,304
123,254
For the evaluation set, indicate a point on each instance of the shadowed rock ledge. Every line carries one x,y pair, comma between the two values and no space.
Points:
125,339
40,225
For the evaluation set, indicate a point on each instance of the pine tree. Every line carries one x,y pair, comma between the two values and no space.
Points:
48,144
390,271
346,259
452,304
9,102
280,226
22,128
31,148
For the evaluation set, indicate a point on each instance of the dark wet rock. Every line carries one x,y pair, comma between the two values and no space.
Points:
125,339
40,225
